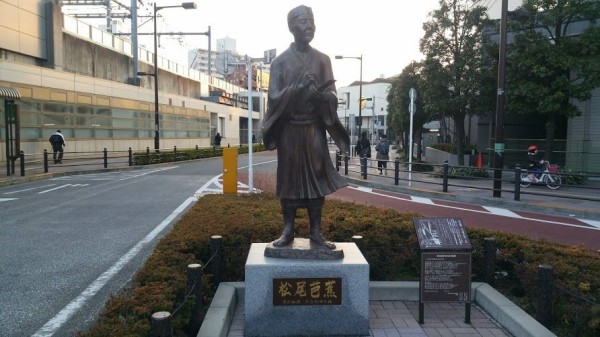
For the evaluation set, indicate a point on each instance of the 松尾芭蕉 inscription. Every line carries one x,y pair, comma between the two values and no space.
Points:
307,291
445,277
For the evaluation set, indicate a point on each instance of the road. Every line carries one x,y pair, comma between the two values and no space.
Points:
68,243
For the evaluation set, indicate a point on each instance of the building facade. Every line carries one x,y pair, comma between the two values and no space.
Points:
76,78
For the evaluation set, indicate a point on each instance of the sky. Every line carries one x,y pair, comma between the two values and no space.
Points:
387,36
385,33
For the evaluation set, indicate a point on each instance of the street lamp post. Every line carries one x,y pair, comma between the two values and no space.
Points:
185,5
360,99
500,100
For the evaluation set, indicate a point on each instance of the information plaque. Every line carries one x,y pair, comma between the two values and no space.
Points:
445,252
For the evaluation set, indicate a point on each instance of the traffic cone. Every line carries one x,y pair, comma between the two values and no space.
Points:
479,161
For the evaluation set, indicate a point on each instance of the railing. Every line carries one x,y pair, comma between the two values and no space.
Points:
76,161
453,178
160,322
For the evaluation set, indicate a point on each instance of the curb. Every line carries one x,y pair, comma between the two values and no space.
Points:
501,309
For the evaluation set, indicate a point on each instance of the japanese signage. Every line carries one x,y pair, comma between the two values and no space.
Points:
307,291
445,277
441,233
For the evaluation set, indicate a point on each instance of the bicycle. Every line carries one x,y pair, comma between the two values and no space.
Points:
549,177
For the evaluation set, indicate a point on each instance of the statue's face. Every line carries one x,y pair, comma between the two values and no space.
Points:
303,28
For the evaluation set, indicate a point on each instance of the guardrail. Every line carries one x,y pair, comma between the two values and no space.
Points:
75,161
454,178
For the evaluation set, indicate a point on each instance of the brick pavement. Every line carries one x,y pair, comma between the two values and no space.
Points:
400,319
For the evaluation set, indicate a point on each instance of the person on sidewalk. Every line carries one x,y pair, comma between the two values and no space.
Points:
302,108
57,140
218,139
383,154
363,146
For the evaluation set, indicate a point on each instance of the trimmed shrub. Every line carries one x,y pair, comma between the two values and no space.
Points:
389,244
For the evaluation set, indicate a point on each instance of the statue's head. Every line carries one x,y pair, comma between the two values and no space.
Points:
301,24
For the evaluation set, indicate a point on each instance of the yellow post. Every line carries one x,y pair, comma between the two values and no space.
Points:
230,170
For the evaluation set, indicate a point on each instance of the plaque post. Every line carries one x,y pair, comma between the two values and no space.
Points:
445,263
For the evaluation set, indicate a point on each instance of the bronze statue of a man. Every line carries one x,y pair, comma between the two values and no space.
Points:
302,106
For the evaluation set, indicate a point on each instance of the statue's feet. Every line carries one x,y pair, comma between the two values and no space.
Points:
320,240
284,240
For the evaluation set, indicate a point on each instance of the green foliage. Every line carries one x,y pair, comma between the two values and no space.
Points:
389,245
456,77
451,148
572,177
467,172
164,156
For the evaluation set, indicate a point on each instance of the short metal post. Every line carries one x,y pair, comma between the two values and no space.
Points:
22,162
45,161
148,155
216,251
346,158
105,158
175,153
358,240
397,171
489,260
445,177
160,324
363,166
517,183
337,161
545,290
194,284
130,157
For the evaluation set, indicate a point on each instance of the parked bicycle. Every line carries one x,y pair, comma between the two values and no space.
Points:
549,177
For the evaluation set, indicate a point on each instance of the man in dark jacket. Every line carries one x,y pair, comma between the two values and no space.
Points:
302,106
58,141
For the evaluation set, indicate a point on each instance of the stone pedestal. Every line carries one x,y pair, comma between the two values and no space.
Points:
298,297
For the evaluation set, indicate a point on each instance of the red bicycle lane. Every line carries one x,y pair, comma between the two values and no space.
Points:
552,228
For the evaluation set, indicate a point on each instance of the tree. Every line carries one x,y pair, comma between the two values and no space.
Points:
454,68
548,67
398,107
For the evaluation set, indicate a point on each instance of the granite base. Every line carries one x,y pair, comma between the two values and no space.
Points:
273,312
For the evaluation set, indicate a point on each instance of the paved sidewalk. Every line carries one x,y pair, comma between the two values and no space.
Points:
400,319
393,312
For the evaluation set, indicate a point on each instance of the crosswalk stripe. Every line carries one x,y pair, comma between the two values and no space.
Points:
591,222
502,211
421,200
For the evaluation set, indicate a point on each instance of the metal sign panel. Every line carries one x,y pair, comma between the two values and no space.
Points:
445,277
441,234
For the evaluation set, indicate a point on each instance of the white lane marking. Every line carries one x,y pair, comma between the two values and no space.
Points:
29,189
57,321
483,212
54,189
591,222
8,199
502,211
421,200
364,189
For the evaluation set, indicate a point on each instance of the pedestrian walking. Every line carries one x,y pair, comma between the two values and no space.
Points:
383,154
57,140
218,139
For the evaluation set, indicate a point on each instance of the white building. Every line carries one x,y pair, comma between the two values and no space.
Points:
373,113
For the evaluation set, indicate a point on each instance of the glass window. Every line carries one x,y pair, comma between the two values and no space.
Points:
102,133
58,108
84,133
124,134
85,110
29,106
101,121
56,120
103,112
124,123
124,113
31,133
29,118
